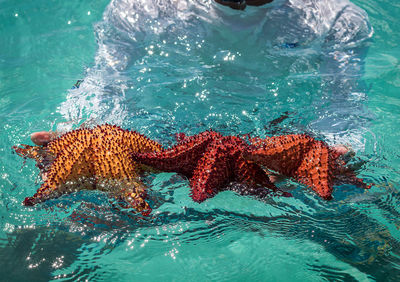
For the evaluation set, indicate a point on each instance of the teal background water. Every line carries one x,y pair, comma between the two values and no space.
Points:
45,46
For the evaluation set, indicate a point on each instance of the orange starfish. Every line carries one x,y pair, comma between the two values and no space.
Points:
90,159
309,161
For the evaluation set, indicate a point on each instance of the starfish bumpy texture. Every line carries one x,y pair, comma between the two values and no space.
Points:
311,162
210,161
90,159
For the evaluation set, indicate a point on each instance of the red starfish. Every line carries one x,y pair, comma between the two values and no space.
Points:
309,161
211,161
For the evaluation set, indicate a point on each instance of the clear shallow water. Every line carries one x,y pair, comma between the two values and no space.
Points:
208,79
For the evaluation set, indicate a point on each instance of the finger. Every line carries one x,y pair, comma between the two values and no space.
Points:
41,138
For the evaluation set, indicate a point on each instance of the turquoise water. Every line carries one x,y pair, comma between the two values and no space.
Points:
195,77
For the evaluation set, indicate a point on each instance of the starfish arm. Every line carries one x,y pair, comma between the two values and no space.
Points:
315,170
255,180
131,194
212,173
68,172
110,159
181,158
251,174
322,168
140,143
131,140
346,175
41,155
27,151
58,144
282,154
116,172
351,178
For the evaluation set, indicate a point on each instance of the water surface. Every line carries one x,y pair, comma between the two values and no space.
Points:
195,77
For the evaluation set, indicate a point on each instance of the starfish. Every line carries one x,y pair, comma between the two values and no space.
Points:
210,161
92,159
311,162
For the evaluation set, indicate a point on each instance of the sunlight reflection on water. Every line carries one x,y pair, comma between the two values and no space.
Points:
163,76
